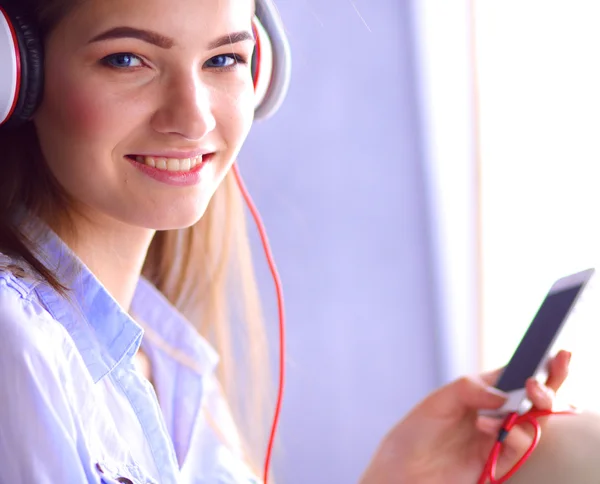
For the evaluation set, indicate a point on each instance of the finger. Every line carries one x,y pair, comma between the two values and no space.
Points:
464,395
558,370
476,393
489,425
517,443
541,396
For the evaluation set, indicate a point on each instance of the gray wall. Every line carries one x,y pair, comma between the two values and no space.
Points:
337,176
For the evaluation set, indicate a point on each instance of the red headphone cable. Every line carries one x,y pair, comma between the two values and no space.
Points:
513,419
280,305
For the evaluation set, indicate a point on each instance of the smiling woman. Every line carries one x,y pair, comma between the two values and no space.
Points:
120,221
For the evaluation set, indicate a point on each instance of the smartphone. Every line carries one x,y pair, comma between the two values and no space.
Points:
533,353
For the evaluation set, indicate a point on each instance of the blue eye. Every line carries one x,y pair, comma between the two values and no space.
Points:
224,61
122,61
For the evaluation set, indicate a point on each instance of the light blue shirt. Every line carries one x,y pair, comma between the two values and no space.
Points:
73,407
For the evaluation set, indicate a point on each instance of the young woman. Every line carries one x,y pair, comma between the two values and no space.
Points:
120,222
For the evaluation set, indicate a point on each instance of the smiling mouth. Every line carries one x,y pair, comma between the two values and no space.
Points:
169,164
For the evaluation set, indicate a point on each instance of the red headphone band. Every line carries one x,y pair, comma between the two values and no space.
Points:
258,54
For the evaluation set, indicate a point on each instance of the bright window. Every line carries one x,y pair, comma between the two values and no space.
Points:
538,69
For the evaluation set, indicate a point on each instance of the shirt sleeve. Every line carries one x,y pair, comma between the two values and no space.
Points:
38,432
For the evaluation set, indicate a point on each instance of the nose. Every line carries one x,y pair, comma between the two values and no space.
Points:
186,109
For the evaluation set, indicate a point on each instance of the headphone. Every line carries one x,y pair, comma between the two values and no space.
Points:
21,63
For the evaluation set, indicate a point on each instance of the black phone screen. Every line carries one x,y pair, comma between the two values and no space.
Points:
538,339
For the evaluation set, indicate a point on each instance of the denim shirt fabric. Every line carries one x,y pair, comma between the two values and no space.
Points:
74,408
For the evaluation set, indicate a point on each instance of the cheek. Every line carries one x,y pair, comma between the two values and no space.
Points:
77,125
75,108
236,117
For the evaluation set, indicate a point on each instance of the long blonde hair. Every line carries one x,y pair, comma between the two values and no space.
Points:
206,270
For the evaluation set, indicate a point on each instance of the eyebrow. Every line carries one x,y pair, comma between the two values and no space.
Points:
165,42
232,38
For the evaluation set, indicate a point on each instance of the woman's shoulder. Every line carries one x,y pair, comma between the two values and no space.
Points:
26,327
42,389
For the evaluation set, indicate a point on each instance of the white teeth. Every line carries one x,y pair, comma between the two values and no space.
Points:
161,163
170,164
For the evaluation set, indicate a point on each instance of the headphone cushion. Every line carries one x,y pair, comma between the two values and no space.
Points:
32,73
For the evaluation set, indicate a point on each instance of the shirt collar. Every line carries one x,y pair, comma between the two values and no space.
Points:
102,331
170,331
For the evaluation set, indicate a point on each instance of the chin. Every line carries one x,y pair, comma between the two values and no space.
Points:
177,221
168,218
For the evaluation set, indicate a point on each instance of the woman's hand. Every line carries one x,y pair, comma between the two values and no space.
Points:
444,441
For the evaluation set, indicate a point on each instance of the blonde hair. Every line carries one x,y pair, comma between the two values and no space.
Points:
205,271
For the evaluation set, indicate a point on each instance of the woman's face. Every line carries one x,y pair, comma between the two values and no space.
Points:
146,105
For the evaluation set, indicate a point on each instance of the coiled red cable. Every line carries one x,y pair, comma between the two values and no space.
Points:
280,305
513,419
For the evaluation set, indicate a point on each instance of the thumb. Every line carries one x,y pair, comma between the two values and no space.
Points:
464,395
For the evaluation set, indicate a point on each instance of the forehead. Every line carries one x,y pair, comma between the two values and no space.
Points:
176,18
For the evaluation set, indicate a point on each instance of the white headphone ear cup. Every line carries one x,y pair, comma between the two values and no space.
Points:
21,84
281,65
9,60
264,67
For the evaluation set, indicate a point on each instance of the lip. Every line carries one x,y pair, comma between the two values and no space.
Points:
174,178
178,155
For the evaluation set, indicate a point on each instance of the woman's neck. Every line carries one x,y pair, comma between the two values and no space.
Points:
114,252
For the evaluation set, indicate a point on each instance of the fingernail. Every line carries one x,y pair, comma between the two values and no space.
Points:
569,354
